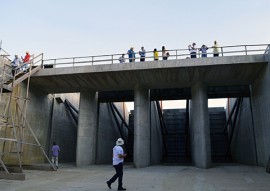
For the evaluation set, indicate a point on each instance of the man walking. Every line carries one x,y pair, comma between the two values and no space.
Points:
118,159
55,153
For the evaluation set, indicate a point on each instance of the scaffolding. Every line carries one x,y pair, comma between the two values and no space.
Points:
15,130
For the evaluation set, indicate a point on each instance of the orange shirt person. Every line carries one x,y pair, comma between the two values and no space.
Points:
26,59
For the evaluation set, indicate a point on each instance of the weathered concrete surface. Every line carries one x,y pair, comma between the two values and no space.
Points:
142,136
154,178
221,71
87,129
200,129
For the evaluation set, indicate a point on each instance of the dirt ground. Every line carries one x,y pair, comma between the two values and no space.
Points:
229,177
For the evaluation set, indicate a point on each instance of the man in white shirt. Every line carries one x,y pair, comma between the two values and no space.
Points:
122,58
118,159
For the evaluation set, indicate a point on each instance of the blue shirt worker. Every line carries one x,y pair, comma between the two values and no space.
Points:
142,54
204,49
55,153
118,159
131,54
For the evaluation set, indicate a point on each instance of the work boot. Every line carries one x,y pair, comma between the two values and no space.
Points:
122,188
109,184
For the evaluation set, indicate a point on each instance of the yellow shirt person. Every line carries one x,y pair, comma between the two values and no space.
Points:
155,54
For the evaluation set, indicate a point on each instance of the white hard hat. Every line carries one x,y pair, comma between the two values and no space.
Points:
119,141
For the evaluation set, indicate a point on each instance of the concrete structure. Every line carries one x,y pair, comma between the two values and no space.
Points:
251,141
200,130
87,128
197,75
142,138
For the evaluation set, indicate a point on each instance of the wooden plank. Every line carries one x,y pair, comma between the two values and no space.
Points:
12,176
22,78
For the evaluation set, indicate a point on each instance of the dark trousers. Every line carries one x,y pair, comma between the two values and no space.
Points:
119,174
193,55
204,55
142,59
216,55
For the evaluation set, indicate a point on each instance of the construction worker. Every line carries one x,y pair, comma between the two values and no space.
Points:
26,59
118,159
55,153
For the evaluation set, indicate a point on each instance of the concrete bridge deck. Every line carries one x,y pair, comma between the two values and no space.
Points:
214,72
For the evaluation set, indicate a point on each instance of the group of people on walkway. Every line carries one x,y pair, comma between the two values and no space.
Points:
165,54
131,55
17,62
193,50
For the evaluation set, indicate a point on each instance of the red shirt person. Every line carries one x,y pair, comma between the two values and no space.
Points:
26,57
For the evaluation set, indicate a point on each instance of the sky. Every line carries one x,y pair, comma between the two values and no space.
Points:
64,28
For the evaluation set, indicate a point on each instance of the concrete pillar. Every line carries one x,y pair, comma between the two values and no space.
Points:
200,130
141,127
87,129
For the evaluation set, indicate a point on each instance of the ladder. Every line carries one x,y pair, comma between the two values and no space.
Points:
14,126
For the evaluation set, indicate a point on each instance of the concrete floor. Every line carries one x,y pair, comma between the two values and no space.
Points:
229,177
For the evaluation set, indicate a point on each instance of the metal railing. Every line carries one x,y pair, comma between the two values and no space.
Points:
174,54
267,49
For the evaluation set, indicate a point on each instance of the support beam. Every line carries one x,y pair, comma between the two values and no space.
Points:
200,130
87,129
141,127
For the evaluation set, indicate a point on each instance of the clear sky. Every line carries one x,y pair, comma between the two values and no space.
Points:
65,28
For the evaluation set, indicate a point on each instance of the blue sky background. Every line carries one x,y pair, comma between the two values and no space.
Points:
64,28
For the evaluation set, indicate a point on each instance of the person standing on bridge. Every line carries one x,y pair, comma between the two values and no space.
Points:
155,54
215,49
142,54
193,51
26,59
165,53
204,49
15,63
131,54
122,59
118,159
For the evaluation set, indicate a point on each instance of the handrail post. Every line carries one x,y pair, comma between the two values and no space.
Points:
221,51
73,61
92,60
42,60
246,49
54,62
112,59
176,54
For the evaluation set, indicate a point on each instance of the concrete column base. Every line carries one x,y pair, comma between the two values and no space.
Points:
200,130
87,129
141,127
